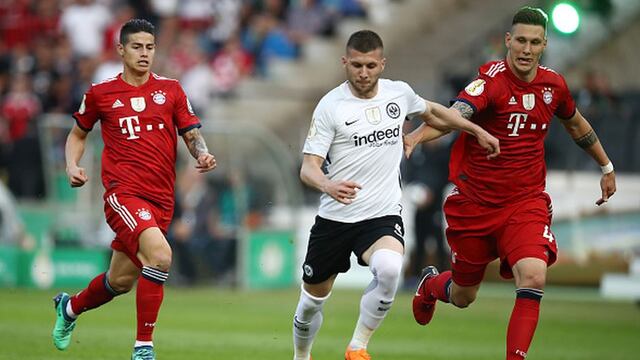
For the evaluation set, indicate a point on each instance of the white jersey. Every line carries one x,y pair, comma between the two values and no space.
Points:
361,139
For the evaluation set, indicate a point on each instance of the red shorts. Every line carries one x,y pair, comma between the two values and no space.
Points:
479,234
128,216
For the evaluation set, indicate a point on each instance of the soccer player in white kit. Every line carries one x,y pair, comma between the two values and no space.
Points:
357,130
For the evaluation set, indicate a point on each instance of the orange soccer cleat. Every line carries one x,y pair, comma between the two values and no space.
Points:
361,354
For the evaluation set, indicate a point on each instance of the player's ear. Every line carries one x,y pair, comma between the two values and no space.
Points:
507,40
344,60
120,49
383,62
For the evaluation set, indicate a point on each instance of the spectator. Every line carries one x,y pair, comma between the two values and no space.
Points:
19,111
84,23
230,65
309,18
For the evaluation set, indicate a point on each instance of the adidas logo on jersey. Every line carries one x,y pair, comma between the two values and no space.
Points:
513,101
117,104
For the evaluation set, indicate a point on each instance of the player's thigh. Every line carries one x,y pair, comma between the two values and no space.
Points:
469,234
385,232
129,216
154,250
386,242
528,235
328,250
321,289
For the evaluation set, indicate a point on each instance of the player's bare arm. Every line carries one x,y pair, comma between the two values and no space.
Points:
73,150
444,118
343,191
198,149
584,136
419,135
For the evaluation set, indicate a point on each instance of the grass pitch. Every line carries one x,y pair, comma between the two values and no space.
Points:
207,323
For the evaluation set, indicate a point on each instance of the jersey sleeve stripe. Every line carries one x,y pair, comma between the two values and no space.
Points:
190,127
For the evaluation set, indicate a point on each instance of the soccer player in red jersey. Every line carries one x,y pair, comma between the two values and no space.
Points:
499,208
140,115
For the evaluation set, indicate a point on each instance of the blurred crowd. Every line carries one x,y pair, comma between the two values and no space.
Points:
52,50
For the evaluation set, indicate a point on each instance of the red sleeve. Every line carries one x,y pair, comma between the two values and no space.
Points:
566,104
477,93
183,115
87,115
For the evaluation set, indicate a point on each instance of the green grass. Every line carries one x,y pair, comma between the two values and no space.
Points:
233,325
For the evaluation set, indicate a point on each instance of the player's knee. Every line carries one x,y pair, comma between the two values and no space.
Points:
389,275
309,305
463,299
387,267
123,283
161,259
533,280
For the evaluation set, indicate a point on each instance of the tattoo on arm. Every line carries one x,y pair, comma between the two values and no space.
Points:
587,139
195,143
465,110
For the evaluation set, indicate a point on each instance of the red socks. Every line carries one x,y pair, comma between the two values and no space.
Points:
149,296
98,292
439,286
524,320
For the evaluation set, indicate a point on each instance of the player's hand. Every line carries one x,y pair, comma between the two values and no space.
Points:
343,191
489,143
408,143
77,176
206,162
608,187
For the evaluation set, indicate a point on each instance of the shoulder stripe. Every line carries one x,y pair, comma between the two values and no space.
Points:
107,80
158,77
547,69
495,69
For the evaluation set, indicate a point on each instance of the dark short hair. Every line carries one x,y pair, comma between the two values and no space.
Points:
364,41
531,16
135,26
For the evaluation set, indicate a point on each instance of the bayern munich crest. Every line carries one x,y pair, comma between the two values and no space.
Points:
144,214
547,96
159,97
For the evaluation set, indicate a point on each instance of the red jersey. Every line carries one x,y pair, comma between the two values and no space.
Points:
139,126
518,114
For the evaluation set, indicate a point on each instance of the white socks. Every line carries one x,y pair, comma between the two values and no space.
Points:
386,266
306,323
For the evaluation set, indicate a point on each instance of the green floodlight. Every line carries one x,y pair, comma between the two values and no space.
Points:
565,18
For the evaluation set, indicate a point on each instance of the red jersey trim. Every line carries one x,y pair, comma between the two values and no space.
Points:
190,127
80,125
575,109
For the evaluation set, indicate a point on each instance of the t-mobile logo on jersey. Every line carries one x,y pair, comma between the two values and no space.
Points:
516,122
131,125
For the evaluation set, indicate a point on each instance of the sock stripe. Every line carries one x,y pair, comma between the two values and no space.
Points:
528,293
107,286
154,275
